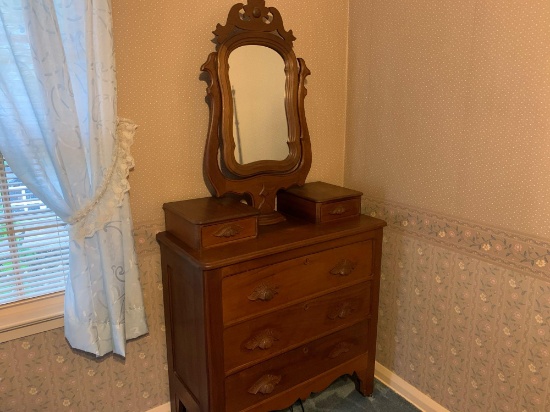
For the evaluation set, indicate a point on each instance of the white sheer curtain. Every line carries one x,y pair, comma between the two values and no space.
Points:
60,135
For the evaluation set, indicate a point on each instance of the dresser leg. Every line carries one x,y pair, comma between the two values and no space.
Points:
365,383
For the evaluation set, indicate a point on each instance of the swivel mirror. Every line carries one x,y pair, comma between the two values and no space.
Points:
258,141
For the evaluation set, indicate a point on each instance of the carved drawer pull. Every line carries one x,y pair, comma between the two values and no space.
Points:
343,268
263,292
263,340
342,347
341,312
266,384
229,231
339,210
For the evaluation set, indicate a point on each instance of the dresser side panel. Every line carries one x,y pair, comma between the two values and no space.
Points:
184,302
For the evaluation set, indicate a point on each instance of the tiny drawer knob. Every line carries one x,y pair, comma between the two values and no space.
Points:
266,384
338,210
343,268
263,340
339,349
341,312
263,292
229,231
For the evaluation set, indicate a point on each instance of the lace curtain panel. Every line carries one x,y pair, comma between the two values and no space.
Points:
59,133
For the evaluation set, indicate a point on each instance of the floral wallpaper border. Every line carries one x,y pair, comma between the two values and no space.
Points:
145,237
504,248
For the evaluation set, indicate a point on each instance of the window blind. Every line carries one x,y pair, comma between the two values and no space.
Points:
34,243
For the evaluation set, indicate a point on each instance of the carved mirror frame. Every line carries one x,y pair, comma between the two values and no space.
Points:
259,181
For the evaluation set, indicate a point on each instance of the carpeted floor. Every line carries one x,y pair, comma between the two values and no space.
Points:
341,396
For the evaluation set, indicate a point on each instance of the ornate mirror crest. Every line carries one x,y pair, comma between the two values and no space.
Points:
255,24
255,16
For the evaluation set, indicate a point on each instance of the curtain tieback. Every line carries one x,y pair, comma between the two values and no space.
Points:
98,211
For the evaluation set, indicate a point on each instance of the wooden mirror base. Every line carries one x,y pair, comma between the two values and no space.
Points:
270,218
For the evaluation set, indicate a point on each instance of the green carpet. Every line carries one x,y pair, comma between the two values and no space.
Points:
341,396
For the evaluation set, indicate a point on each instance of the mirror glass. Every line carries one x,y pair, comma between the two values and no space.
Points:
257,77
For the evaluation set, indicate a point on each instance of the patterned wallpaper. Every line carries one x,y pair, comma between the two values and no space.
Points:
160,46
41,373
464,311
448,137
448,107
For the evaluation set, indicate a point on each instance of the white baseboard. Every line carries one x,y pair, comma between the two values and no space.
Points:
388,378
406,390
165,407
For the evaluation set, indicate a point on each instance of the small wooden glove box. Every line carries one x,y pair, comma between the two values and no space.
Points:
319,202
207,222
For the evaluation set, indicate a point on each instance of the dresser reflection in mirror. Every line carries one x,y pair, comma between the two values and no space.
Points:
270,285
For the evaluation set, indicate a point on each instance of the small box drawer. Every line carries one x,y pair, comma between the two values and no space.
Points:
268,379
207,222
228,232
265,336
319,202
339,210
260,290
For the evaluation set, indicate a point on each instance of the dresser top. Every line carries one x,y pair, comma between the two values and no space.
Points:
291,234
320,192
210,210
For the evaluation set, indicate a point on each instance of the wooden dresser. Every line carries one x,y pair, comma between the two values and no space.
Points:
254,325
267,301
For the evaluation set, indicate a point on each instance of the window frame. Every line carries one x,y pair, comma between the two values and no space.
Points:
32,315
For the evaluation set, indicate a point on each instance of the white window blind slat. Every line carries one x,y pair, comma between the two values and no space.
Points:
41,248
28,271
34,243
46,279
33,229
32,293
31,217
42,258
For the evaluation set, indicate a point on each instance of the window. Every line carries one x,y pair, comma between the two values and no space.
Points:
34,257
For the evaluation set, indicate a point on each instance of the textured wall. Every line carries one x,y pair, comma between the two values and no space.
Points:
448,136
160,47
454,99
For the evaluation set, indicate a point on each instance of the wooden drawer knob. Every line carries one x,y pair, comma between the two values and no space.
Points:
338,210
263,292
229,231
341,312
343,268
266,384
339,349
263,340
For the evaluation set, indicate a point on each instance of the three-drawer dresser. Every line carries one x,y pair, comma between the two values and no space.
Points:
257,317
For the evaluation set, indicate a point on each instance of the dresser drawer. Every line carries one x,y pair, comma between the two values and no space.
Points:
225,232
339,210
274,376
259,290
270,334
